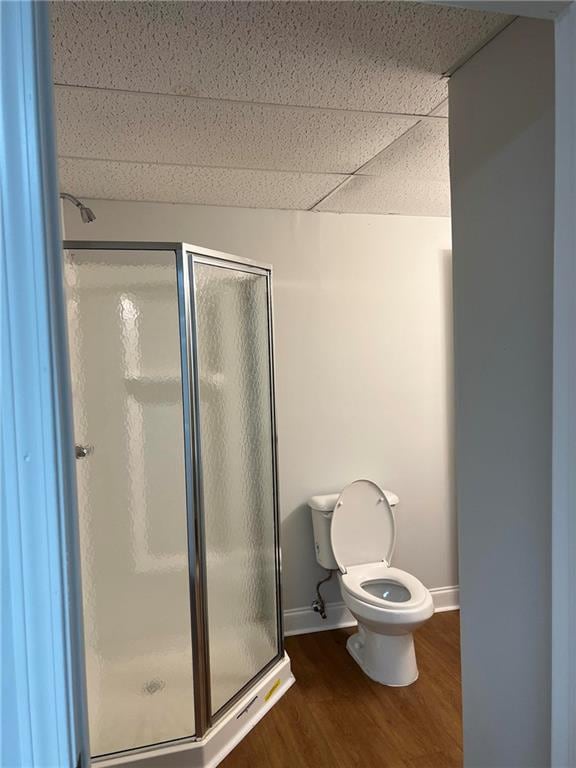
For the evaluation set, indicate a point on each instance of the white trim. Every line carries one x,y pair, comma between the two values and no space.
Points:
563,662
42,658
302,621
446,599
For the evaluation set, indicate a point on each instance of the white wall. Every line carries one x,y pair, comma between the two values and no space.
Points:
364,360
502,167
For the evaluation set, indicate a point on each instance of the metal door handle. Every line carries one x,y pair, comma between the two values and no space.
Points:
83,450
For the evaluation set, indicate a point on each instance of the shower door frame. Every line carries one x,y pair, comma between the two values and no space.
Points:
186,256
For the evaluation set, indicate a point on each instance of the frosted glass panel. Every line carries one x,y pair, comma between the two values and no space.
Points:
125,358
236,443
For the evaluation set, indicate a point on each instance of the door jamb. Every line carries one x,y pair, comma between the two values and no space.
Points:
44,698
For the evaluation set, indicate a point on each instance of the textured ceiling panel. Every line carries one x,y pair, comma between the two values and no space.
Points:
441,110
371,56
116,125
374,194
203,186
421,153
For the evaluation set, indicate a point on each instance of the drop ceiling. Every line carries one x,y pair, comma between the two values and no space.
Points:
328,106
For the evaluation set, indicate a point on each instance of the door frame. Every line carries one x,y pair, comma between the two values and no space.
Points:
44,694
563,662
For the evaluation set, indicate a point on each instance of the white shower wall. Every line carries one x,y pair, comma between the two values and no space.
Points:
363,326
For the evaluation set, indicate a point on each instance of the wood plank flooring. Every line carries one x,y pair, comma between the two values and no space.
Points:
335,716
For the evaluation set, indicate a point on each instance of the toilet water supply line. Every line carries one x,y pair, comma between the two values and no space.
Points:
319,605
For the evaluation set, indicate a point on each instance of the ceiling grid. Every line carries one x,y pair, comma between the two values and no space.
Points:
329,106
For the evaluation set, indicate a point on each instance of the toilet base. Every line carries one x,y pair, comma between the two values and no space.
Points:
386,659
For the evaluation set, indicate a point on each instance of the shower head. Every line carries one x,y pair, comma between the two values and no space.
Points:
86,213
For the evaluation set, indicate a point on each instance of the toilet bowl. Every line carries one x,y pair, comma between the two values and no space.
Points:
389,604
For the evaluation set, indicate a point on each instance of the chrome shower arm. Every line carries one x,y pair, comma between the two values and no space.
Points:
74,200
86,213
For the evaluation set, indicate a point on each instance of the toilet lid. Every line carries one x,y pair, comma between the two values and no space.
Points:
363,528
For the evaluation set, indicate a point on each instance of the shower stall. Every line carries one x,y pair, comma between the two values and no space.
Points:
171,350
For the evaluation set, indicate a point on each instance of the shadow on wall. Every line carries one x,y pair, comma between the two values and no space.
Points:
448,303
300,569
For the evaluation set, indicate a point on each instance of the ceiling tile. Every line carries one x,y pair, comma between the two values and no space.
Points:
421,153
117,125
385,56
374,194
202,186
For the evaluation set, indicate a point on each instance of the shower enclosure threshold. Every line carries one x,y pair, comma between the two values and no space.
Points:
221,739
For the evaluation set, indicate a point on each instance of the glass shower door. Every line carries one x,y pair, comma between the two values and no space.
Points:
172,379
128,413
235,375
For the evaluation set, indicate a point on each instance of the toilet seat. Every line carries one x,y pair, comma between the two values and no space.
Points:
356,577
363,534
363,529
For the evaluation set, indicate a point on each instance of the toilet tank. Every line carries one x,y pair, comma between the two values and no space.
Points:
322,507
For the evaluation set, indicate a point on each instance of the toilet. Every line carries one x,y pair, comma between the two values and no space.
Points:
355,533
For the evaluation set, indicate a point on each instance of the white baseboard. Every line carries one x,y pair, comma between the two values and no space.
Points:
446,598
301,621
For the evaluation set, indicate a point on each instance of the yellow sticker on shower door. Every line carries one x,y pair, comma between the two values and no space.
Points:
273,690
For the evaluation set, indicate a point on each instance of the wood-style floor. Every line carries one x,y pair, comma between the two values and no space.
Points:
335,716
